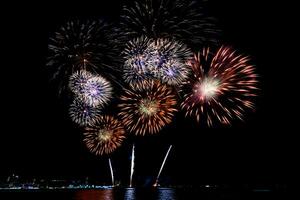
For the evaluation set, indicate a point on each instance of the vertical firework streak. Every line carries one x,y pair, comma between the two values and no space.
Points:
222,88
111,172
162,165
132,166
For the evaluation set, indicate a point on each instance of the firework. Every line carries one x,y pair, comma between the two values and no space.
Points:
169,60
96,91
132,166
111,172
162,59
81,46
162,166
181,19
173,73
147,109
104,136
137,67
222,87
83,114
78,80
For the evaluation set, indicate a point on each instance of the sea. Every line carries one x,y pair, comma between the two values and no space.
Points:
159,193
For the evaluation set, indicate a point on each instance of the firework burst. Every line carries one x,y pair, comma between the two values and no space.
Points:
162,59
96,91
222,87
137,66
169,60
81,46
173,73
78,80
148,109
180,19
82,114
104,136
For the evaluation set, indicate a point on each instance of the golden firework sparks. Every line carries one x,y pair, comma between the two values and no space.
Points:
105,136
148,108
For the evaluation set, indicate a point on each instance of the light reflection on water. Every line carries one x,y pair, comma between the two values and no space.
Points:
166,194
143,194
130,194
126,194
106,194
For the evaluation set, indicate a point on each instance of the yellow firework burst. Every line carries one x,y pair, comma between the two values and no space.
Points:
147,109
105,136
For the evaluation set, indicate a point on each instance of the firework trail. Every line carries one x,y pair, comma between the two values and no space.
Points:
104,136
181,19
82,114
132,166
81,45
162,166
222,87
148,109
111,172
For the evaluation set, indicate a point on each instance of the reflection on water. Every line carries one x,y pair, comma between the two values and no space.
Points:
144,194
106,194
166,194
129,194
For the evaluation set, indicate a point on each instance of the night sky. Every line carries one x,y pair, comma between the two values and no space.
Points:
39,139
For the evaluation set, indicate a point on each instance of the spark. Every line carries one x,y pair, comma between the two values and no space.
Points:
105,136
222,87
148,109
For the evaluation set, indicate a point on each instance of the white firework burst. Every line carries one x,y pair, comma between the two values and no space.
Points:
169,60
82,114
137,61
78,80
93,90
97,91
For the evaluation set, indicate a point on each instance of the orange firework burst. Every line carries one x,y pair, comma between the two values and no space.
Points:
148,108
222,86
105,136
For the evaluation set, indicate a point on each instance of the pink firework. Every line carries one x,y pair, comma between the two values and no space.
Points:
222,86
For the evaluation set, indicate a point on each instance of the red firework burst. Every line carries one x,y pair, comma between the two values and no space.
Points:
222,86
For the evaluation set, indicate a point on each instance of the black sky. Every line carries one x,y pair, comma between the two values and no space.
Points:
37,137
